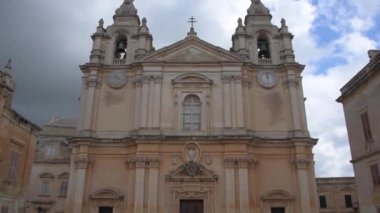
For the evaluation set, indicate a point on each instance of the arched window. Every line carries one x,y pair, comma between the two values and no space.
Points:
263,48
192,113
121,47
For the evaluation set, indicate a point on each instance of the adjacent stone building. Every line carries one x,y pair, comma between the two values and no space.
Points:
50,173
192,127
17,145
337,195
361,100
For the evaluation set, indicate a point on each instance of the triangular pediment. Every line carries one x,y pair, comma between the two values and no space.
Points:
192,50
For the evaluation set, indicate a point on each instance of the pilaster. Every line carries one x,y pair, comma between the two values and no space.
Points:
230,185
144,102
81,164
156,101
239,102
243,185
292,83
302,165
92,84
153,184
138,100
227,101
139,184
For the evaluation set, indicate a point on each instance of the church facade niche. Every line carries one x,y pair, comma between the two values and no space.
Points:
194,122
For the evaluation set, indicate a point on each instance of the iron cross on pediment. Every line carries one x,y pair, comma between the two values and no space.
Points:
192,21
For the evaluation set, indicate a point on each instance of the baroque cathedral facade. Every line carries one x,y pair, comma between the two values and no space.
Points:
192,127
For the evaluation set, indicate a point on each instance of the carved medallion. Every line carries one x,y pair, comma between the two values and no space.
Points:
191,152
267,78
116,79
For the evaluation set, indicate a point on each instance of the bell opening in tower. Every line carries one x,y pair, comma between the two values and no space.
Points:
263,48
121,48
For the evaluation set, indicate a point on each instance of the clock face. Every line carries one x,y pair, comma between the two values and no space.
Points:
116,79
267,78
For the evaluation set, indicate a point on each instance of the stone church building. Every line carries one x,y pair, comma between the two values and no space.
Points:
192,127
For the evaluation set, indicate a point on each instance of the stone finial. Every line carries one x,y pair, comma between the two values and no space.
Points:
283,22
143,29
284,28
101,23
240,30
258,8
127,9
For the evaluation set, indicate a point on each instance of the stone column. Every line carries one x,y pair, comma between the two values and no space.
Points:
81,165
227,101
153,185
243,186
301,166
139,185
230,185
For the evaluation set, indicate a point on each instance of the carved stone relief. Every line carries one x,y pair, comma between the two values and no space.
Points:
191,152
82,163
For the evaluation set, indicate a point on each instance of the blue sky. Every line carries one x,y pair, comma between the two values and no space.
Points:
51,38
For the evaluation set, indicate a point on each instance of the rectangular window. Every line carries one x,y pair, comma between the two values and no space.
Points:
45,188
366,128
4,209
375,175
322,202
348,201
13,165
63,189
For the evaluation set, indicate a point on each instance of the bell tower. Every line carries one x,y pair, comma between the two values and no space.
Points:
259,41
114,51
7,86
269,51
125,41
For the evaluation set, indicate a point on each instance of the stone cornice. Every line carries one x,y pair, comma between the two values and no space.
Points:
361,77
243,139
282,66
365,156
19,119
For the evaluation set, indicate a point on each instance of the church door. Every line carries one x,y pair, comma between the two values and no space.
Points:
278,210
191,206
105,209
